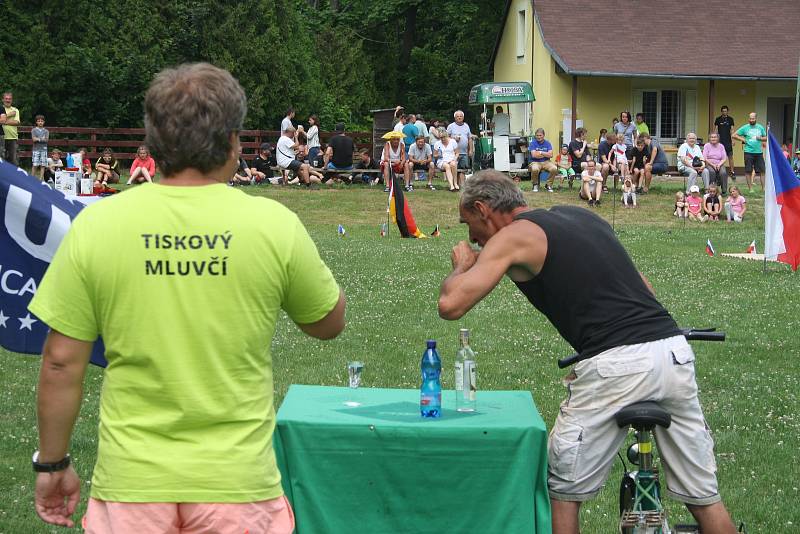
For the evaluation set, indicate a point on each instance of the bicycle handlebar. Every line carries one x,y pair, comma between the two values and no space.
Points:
691,334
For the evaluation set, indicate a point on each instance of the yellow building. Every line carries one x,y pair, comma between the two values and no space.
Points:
588,61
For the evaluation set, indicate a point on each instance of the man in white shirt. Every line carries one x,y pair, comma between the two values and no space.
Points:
286,123
459,130
286,155
501,123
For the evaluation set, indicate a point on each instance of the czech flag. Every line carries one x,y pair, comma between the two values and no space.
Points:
710,249
781,207
401,213
751,249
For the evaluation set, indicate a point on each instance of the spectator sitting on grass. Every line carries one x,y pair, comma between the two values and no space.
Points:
367,162
243,175
711,204
420,158
591,184
735,206
54,164
143,168
107,169
695,205
263,163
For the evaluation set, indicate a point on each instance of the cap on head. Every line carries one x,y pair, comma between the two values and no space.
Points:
694,189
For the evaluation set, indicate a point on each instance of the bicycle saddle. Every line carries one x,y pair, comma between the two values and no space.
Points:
647,413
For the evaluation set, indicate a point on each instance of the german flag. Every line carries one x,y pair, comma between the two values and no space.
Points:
401,213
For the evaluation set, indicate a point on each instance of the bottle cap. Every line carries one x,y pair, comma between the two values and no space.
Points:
431,343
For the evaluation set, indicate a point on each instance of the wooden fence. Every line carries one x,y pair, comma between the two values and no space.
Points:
125,141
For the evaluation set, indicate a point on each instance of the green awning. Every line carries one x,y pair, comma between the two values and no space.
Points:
501,92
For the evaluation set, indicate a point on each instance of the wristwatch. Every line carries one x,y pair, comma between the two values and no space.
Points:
49,468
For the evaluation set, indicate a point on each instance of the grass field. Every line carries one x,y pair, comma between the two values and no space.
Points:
749,384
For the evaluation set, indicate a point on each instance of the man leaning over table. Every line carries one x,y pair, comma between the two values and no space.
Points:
186,412
632,347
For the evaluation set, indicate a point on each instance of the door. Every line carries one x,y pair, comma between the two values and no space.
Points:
780,116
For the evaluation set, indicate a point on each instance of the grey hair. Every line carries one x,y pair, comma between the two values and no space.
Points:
190,114
539,130
493,188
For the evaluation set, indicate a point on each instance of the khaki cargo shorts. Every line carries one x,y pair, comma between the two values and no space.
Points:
585,438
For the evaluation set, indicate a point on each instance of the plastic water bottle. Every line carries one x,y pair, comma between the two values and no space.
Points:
430,392
466,374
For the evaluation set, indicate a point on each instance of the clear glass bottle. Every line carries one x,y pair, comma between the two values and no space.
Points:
466,374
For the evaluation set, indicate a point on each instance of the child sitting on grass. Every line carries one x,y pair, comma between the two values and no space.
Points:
628,194
735,206
711,204
695,204
107,168
564,164
143,168
681,210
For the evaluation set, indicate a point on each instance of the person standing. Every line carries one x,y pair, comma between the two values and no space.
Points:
723,126
630,347
10,130
410,131
641,126
501,122
461,133
287,120
752,135
422,128
625,127
187,414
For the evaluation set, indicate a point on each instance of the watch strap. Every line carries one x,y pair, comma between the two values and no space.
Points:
40,467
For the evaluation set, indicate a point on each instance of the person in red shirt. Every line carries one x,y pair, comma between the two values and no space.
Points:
143,168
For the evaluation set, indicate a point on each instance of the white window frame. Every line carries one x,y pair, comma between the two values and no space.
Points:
687,111
522,33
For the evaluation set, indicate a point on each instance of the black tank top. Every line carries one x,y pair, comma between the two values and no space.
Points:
588,286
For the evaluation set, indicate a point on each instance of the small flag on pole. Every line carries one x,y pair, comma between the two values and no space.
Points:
709,248
436,232
383,230
751,249
341,231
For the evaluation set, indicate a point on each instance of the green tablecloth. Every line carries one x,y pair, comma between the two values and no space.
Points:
379,467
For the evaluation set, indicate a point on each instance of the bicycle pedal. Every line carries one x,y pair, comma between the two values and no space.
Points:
647,518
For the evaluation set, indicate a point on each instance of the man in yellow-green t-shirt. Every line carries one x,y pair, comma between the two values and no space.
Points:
185,287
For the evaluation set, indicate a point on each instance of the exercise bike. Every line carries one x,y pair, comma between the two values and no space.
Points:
640,499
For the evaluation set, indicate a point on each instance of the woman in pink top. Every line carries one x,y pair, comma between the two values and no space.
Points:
735,206
716,160
143,168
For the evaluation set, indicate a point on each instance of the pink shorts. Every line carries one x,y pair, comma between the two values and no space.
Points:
274,516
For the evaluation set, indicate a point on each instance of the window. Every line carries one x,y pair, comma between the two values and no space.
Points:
522,33
663,112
